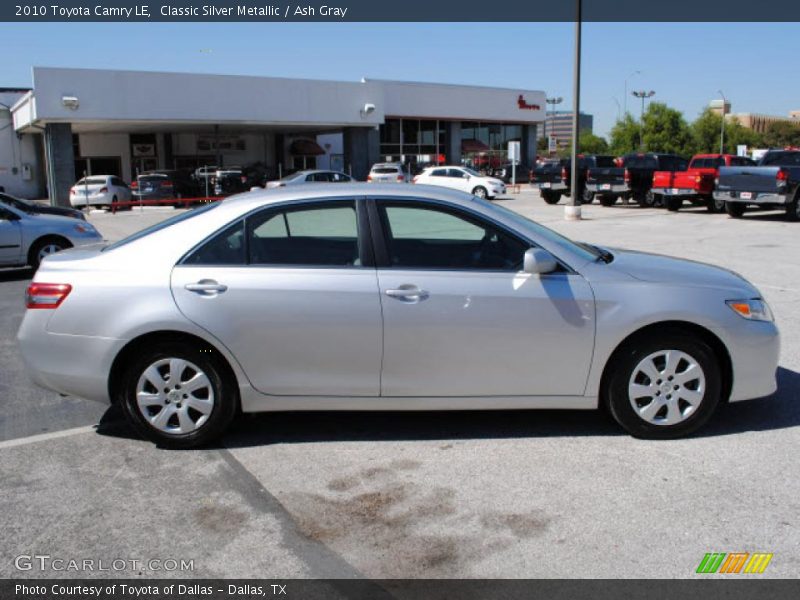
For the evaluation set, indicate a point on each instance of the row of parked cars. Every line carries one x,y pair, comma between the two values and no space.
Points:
721,182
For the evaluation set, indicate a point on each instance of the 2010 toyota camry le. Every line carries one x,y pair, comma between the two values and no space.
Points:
349,297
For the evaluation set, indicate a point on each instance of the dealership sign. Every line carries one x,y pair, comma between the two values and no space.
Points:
523,105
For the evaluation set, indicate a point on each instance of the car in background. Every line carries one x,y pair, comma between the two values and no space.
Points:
586,163
639,170
387,173
310,176
33,208
773,183
607,182
28,238
522,174
164,184
227,182
393,298
99,191
463,179
547,177
696,184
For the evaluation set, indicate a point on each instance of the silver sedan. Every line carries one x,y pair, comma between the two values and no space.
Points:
27,238
350,297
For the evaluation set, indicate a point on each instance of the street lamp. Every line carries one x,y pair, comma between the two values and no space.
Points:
643,95
619,108
625,95
722,129
572,211
552,102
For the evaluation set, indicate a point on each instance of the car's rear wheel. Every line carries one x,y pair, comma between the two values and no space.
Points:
674,204
44,248
480,192
550,197
663,386
587,197
735,209
793,209
715,206
178,396
608,199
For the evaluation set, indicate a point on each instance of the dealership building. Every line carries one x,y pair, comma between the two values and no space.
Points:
76,121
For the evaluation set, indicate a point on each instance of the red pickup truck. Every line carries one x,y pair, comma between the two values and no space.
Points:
696,183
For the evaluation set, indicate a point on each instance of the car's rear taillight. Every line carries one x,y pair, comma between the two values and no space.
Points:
782,175
369,177
134,185
46,295
401,178
627,176
563,173
71,191
415,179
103,190
166,184
698,178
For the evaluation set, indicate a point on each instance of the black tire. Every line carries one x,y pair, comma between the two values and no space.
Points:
793,210
480,192
622,370
674,204
640,198
58,244
226,395
587,197
550,197
608,199
715,206
735,209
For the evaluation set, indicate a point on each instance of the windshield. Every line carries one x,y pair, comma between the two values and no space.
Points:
471,172
385,170
584,250
92,181
162,225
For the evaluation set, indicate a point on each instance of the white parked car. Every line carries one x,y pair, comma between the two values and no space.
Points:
99,191
387,173
311,176
463,179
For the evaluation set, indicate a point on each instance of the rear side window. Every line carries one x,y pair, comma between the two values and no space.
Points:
225,248
641,162
439,173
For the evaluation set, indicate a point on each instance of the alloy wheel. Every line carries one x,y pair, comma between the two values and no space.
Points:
47,250
175,396
666,387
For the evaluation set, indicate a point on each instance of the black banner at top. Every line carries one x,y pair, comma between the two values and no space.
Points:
402,11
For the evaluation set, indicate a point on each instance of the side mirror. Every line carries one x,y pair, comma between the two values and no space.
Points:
538,262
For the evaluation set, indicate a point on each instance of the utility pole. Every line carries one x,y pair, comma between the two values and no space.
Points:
643,95
625,95
572,211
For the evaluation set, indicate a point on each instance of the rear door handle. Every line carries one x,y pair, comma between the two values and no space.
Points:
408,293
206,286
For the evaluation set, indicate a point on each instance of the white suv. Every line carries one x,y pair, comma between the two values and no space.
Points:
463,179
387,173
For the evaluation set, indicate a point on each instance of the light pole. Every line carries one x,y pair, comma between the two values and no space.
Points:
552,102
619,108
572,211
625,95
722,129
643,95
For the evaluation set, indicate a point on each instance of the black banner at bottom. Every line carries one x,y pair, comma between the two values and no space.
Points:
732,588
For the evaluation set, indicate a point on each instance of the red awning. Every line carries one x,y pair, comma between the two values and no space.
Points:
473,146
305,148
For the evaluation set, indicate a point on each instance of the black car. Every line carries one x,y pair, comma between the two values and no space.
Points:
164,184
586,163
32,208
522,174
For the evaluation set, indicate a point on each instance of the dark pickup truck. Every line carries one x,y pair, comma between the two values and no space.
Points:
773,183
586,164
637,177
547,178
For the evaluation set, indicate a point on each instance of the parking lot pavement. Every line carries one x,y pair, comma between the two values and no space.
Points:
513,494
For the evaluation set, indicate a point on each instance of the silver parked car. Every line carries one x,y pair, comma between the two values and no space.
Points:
26,238
397,297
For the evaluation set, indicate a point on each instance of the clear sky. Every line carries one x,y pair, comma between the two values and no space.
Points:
754,64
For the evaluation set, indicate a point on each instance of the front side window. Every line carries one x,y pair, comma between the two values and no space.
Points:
430,237
319,235
456,173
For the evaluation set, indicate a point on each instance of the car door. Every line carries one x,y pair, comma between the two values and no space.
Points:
292,292
460,180
461,319
10,238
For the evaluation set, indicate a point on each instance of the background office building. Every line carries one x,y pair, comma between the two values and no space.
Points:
559,124
124,123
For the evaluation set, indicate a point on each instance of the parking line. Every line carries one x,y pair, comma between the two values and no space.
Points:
43,437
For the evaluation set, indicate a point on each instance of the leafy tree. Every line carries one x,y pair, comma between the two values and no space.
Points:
665,130
782,133
706,133
589,143
625,135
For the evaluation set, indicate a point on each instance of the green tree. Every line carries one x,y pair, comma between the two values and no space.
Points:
782,133
665,130
625,135
589,143
706,133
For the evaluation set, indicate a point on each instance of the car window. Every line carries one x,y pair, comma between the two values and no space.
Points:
225,248
681,164
92,181
162,225
339,178
439,173
323,235
457,173
781,158
385,170
430,237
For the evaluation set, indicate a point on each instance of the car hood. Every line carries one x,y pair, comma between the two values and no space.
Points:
657,268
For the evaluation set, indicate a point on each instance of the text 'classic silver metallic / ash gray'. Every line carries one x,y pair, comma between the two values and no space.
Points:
358,297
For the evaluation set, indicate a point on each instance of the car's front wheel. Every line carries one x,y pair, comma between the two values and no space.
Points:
480,192
178,396
44,248
663,386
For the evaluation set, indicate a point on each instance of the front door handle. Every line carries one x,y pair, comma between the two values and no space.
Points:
408,293
206,287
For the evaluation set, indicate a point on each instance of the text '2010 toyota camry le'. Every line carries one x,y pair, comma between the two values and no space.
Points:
348,297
